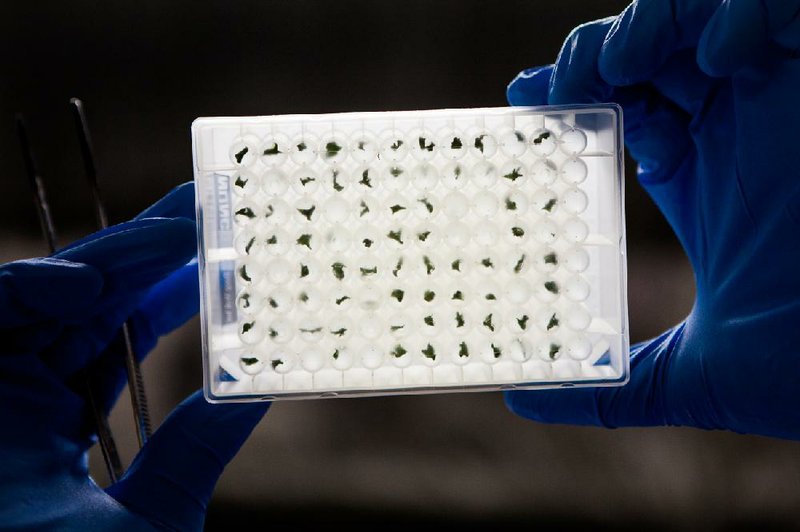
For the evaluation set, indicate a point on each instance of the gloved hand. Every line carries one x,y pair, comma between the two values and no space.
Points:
709,91
57,315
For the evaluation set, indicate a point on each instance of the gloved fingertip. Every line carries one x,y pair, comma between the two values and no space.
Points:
178,203
576,406
137,245
575,78
171,302
520,403
619,61
510,400
612,64
530,86
735,37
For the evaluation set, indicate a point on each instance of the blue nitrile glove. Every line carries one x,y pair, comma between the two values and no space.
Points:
56,317
710,95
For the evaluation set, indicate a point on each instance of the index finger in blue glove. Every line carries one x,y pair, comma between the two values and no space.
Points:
172,478
530,86
178,203
38,289
131,260
167,305
647,33
134,255
576,78
743,34
656,130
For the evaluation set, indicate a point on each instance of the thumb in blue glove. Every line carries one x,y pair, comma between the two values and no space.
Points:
57,315
709,93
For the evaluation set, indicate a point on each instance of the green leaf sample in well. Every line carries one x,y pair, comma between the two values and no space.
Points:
429,266
243,273
551,287
338,187
520,263
332,149
429,352
397,236
496,351
272,149
249,245
541,137
398,266
338,270
463,350
554,350
308,212
514,174
425,144
246,211
240,154
398,351
304,240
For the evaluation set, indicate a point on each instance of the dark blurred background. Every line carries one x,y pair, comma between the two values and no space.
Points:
146,69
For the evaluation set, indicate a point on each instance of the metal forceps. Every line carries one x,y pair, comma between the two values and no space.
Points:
123,338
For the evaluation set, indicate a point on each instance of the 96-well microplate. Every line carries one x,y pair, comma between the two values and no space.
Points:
404,252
